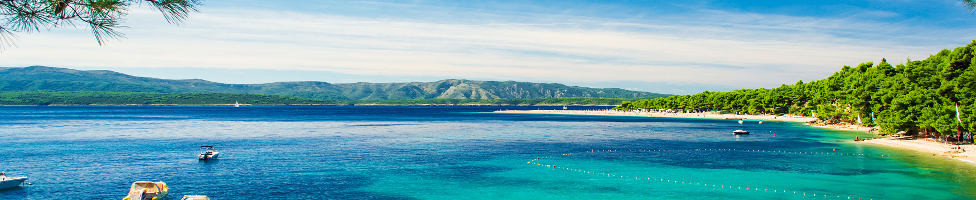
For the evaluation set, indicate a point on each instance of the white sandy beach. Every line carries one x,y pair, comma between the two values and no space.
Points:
662,114
967,153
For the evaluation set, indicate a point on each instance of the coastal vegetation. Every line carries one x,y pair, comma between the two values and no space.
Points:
916,97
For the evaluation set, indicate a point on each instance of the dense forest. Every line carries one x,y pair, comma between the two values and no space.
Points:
144,98
916,97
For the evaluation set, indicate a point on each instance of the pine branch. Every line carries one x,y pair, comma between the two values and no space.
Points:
103,17
175,11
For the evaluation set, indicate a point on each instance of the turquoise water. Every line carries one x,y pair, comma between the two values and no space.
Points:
401,152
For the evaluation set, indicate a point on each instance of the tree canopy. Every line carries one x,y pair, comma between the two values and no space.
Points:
918,96
101,16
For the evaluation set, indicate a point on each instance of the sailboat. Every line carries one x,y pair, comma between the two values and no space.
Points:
236,104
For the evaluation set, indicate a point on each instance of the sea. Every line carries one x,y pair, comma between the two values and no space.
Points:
450,152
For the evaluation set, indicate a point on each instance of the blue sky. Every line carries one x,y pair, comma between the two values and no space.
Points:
678,47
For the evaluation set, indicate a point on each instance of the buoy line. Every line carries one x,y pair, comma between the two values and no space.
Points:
692,183
742,150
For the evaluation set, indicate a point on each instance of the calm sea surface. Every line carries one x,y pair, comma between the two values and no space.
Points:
401,152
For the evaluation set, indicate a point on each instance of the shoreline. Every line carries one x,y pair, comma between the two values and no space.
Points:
967,153
660,114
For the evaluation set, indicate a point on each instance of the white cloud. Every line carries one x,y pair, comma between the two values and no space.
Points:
713,47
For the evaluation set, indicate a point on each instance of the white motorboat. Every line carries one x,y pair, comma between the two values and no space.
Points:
195,197
208,153
10,182
147,190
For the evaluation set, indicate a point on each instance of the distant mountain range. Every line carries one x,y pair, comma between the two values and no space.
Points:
39,78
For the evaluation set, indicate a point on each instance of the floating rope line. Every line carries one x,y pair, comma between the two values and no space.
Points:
834,153
692,183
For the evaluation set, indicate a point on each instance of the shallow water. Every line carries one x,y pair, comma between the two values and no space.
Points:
424,152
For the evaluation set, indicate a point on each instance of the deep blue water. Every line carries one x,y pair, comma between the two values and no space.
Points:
441,152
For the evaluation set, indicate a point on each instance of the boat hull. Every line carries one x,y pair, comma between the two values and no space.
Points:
740,132
154,190
195,197
12,182
208,156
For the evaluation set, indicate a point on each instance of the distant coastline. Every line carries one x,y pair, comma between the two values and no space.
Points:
244,105
47,98
40,78
964,153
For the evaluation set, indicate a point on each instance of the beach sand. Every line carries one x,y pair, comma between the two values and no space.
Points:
846,127
661,114
967,154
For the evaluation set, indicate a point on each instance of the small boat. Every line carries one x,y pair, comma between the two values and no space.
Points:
195,197
10,182
237,104
147,190
208,153
740,132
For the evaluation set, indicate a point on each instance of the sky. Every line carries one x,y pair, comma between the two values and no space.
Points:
675,47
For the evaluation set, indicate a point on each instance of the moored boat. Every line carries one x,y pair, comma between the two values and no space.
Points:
195,197
147,190
10,182
740,132
208,153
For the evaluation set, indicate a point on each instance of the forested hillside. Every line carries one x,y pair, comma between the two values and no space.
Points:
123,98
38,78
144,98
917,96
